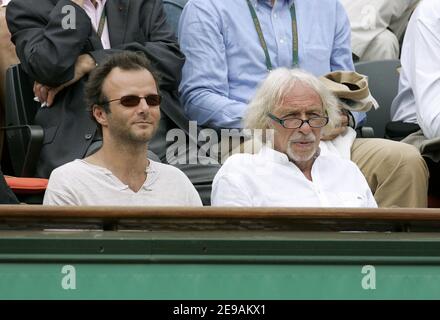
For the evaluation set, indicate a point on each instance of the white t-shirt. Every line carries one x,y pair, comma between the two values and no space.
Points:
419,85
81,183
269,179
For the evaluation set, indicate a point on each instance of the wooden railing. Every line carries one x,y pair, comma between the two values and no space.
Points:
210,218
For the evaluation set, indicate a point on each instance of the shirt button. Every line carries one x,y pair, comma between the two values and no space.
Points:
88,136
282,41
275,16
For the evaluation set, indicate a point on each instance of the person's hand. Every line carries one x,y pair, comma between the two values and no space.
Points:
40,92
84,64
340,129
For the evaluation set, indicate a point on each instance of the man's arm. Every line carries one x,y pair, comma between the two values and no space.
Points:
160,45
54,198
424,70
7,53
362,183
47,49
59,191
204,88
83,65
227,191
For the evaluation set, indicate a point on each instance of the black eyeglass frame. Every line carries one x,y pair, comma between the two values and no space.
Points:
282,121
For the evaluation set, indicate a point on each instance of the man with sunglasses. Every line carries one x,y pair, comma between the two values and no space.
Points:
124,99
296,110
59,42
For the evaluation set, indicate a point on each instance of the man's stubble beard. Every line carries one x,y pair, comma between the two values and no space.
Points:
129,138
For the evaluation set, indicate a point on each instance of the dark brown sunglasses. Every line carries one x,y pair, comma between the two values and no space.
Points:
152,100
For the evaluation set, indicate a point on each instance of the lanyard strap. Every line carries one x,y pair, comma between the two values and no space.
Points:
263,41
101,23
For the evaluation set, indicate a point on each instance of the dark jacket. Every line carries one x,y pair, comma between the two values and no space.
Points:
48,54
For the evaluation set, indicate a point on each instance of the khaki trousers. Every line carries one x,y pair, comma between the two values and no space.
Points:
384,47
395,171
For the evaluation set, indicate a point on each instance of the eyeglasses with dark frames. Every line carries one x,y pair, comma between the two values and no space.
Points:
295,123
153,100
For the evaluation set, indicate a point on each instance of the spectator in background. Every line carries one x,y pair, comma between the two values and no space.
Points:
124,97
417,103
7,58
60,42
296,173
231,45
377,27
419,85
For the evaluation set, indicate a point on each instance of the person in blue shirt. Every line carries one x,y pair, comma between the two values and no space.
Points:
231,45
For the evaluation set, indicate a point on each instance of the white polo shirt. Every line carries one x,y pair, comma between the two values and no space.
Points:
269,179
81,183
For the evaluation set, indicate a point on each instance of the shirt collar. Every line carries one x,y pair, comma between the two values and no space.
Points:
100,3
4,3
255,2
150,170
273,155
270,154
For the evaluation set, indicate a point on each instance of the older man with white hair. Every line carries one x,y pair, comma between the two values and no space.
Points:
294,109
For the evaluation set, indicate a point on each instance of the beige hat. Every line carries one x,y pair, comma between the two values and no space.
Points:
351,88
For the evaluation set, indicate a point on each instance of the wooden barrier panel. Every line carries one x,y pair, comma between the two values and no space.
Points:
396,219
218,253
